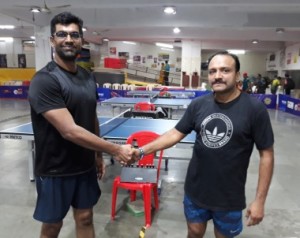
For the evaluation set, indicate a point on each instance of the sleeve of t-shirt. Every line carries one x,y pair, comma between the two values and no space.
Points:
262,129
186,124
45,93
97,86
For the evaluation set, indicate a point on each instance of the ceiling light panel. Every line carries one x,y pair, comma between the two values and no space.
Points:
35,9
176,30
164,45
129,42
7,27
237,52
169,10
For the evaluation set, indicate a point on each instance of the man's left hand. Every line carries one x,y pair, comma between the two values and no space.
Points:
100,166
255,213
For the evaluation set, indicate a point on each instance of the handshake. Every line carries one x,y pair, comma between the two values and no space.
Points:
127,154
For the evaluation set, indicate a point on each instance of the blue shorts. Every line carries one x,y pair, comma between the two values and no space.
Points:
55,195
229,223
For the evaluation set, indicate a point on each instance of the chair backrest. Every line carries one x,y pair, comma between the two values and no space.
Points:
141,138
116,86
149,87
144,106
107,85
124,86
131,87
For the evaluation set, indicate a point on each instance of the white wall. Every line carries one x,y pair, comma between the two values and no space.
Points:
12,49
149,51
286,60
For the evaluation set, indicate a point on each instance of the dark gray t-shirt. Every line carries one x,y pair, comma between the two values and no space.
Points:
226,134
54,88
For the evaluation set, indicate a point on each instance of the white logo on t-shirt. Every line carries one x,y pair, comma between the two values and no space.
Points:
216,130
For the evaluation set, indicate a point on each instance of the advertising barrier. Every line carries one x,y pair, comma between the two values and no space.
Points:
289,104
19,92
269,100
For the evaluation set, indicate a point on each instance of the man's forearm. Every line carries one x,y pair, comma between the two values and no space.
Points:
266,168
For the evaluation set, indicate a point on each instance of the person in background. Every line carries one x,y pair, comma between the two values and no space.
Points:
228,123
161,74
63,102
260,85
275,84
166,74
289,84
245,83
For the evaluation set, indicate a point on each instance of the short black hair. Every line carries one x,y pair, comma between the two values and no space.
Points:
235,58
66,18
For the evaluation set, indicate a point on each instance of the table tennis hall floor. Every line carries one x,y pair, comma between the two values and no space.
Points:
17,196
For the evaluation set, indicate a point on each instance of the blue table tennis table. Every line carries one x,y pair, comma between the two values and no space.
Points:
169,103
115,130
154,93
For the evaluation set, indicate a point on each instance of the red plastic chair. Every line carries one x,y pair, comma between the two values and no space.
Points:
142,138
144,106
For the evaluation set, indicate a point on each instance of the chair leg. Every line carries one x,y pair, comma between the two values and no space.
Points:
114,200
166,164
156,201
132,195
147,204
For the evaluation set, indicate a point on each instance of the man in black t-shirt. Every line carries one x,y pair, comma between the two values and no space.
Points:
63,102
289,84
228,123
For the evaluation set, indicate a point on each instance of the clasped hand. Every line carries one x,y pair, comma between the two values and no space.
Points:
127,155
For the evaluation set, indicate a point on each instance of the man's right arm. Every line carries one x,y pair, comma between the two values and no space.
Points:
62,120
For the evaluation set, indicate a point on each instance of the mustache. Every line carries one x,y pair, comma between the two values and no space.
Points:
218,80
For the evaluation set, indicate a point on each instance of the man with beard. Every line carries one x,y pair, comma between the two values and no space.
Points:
63,102
228,123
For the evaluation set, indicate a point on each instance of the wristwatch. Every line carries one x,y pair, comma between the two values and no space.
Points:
142,153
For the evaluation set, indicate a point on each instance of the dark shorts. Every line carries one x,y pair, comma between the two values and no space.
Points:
229,223
55,195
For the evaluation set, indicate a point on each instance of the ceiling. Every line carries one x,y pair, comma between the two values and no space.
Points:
217,24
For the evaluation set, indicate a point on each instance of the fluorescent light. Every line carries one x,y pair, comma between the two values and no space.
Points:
237,52
167,49
129,42
170,10
164,45
6,39
7,27
30,42
254,41
105,39
32,37
176,30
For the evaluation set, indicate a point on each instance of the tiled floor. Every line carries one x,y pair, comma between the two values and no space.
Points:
17,197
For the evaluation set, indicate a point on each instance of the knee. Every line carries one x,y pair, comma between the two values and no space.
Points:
196,231
51,229
84,218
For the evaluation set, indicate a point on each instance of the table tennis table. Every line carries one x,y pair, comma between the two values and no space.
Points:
169,103
115,130
154,93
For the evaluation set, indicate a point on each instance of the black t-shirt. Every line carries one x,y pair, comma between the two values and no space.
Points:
226,134
54,88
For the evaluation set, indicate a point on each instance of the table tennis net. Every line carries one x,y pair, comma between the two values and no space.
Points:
111,124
